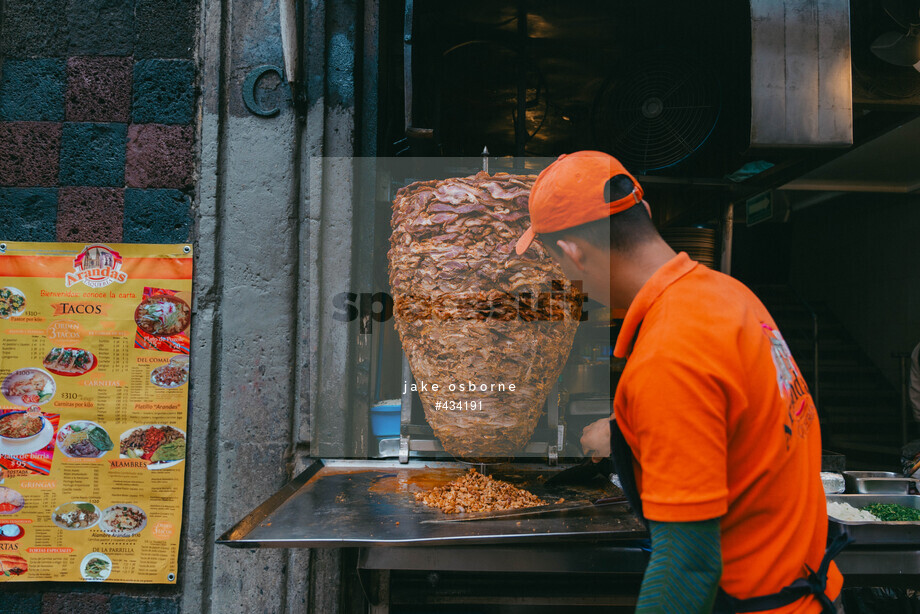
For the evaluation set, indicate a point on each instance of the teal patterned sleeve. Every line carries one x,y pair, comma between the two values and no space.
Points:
684,570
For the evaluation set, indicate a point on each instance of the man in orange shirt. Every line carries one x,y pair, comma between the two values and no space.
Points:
716,437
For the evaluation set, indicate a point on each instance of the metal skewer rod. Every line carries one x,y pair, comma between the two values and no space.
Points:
485,159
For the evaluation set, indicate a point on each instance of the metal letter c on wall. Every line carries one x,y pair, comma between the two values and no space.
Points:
249,90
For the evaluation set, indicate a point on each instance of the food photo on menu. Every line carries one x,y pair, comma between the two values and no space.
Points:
83,439
27,442
12,302
171,375
11,501
162,445
28,386
76,515
96,566
10,532
68,361
163,318
122,520
12,564
19,426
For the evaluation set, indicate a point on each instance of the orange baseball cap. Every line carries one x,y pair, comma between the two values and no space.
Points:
575,190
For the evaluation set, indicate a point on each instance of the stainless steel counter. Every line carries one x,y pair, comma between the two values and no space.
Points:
341,503
592,557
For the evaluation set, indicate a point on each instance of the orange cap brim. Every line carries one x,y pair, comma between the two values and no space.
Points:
525,240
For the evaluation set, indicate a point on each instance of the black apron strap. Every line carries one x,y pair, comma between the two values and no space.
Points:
623,464
814,584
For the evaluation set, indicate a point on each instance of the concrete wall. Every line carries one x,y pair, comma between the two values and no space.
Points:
867,242
247,285
275,237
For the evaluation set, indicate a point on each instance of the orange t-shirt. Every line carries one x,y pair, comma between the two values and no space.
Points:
722,425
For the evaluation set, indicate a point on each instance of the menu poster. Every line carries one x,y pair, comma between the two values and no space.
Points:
94,366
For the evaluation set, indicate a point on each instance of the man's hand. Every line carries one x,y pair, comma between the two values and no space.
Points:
595,439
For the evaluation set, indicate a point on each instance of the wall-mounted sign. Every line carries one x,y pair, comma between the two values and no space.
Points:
251,96
759,208
94,365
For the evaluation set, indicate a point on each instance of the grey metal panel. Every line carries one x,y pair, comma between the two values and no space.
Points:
802,73
801,89
332,217
835,103
591,558
768,70
885,164
896,563
407,62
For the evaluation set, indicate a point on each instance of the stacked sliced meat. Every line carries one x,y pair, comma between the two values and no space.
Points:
470,310
475,492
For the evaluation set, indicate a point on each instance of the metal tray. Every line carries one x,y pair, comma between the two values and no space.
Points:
872,474
877,483
876,533
881,486
339,503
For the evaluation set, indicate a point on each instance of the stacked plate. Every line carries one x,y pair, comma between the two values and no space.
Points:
701,244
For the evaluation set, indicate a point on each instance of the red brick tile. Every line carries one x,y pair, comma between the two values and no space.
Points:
88,214
75,603
98,89
159,156
29,153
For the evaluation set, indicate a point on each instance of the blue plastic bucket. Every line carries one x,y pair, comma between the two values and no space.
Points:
385,418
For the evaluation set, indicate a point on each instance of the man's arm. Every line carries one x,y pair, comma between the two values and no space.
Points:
685,568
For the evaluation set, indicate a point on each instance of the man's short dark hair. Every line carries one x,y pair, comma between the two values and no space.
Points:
622,231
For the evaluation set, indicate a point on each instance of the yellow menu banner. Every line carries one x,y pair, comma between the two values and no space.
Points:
94,367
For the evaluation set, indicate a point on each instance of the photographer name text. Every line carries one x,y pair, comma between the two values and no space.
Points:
467,386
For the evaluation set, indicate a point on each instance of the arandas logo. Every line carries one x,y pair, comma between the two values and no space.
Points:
97,266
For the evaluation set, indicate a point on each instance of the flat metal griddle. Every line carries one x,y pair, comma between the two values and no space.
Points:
339,503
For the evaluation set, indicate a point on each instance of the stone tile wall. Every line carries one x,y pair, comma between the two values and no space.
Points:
97,114
97,143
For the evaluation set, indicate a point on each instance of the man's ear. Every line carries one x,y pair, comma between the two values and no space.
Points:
647,208
573,252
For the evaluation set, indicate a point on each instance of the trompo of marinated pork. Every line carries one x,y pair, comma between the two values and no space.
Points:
469,310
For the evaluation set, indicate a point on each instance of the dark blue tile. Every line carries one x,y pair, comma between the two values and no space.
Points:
22,603
33,90
164,28
101,27
34,28
28,214
156,216
75,601
93,154
164,92
128,604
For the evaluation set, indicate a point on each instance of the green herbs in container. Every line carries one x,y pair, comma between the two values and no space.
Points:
893,512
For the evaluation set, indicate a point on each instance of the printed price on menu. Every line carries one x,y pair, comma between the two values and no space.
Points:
94,367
